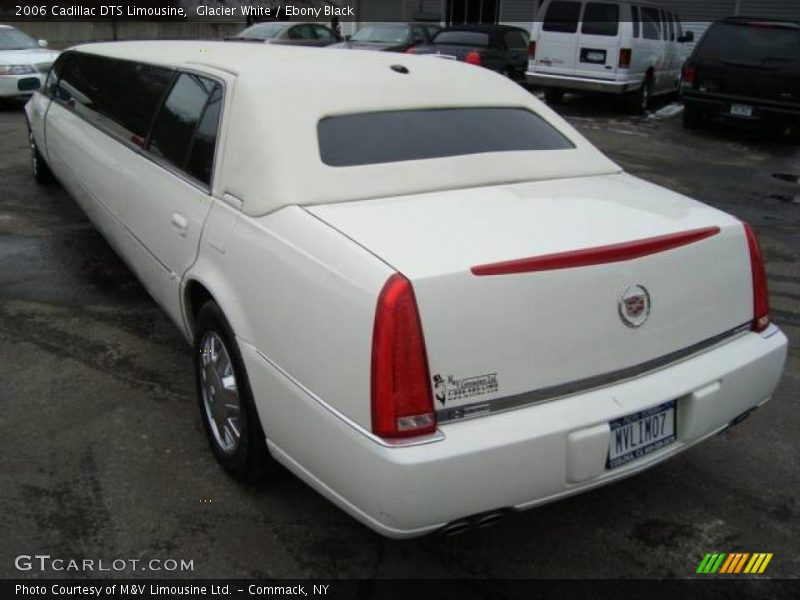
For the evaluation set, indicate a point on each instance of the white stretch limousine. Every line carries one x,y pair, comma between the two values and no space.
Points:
408,280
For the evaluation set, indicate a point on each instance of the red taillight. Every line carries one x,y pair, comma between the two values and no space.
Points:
760,293
402,403
473,58
531,50
625,56
689,74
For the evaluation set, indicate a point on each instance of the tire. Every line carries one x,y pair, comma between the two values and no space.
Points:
553,95
218,366
638,101
41,172
692,119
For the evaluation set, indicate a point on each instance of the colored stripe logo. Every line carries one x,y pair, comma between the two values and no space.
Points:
734,563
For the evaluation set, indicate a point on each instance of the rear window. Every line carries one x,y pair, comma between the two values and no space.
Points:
516,39
394,136
765,45
462,38
601,19
562,17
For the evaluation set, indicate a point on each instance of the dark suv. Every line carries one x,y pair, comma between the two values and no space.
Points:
745,70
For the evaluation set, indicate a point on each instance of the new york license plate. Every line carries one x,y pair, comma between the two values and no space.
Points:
637,435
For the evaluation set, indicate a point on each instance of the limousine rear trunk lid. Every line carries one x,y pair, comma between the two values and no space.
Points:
530,291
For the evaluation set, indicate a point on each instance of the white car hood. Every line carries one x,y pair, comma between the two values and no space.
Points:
30,56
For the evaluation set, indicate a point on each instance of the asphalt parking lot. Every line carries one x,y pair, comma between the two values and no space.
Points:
102,453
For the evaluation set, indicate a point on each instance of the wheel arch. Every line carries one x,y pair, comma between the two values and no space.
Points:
197,290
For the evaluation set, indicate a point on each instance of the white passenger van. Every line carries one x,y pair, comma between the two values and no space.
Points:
632,48
407,280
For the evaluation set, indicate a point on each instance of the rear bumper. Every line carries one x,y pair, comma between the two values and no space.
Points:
581,84
20,86
513,460
718,106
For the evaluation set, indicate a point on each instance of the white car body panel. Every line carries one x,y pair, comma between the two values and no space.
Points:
298,278
529,330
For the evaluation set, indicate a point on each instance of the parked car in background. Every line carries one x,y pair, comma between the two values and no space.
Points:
500,48
419,289
745,70
24,63
390,37
635,49
290,33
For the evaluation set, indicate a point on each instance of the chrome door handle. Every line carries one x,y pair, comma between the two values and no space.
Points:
180,223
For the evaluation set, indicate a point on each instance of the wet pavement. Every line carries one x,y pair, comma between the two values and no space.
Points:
102,453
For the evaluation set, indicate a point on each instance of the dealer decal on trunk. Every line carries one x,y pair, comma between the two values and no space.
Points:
452,389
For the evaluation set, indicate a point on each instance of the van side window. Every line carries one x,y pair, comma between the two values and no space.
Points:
181,114
600,18
635,19
651,23
120,97
678,26
671,26
562,17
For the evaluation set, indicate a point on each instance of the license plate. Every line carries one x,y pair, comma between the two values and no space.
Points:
742,110
637,435
593,56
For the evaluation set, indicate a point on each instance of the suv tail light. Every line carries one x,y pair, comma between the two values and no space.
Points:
689,74
760,292
402,403
625,56
473,58
531,50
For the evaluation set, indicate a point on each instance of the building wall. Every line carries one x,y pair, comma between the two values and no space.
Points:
776,9
424,10
520,13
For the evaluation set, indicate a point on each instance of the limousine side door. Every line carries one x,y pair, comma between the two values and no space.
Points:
144,152
171,191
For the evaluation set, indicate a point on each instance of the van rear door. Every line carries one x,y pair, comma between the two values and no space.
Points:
599,41
556,50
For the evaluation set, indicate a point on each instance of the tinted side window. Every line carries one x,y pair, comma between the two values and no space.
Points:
601,19
201,157
79,85
120,96
651,23
56,71
635,18
179,117
562,17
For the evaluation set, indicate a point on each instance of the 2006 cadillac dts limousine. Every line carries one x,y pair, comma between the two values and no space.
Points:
406,279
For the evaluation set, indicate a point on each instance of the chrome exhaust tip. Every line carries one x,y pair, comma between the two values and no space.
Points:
490,519
455,528
479,521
